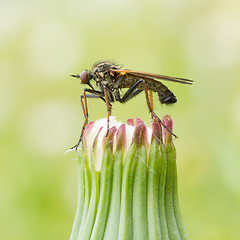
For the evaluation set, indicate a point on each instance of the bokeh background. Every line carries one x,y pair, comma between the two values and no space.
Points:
43,42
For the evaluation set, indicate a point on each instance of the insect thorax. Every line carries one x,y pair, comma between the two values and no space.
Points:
105,79
103,66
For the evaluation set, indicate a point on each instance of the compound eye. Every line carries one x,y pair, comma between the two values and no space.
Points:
84,77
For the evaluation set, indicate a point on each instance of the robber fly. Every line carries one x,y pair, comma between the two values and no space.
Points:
110,78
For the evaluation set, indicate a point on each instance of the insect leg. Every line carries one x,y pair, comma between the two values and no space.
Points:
85,112
83,98
94,94
150,107
131,92
151,99
109,108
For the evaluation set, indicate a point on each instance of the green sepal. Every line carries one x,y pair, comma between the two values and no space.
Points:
126,223
87,190
176,207
162,192
111,232
169,210
87,225
140,219
105,195
81,197
154,169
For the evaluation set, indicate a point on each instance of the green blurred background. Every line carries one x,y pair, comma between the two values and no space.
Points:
43,42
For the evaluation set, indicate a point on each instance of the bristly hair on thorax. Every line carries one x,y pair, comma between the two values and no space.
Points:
105,65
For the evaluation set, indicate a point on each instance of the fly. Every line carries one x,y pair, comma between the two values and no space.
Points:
110,78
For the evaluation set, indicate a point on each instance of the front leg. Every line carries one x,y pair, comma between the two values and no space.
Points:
94,94
131,92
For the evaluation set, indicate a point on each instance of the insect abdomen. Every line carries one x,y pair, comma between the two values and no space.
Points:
167,98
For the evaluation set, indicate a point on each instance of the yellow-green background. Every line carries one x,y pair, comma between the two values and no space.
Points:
43,42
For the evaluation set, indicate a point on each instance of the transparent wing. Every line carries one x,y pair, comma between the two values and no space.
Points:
151,76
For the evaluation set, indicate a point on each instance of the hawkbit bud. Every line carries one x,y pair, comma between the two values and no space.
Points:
127,183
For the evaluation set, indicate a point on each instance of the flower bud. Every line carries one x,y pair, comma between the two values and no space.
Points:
128,182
